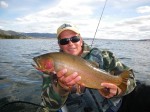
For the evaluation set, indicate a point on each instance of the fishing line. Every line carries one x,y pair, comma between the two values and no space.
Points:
99,22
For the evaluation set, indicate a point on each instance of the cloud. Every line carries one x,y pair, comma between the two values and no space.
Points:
3,4
1,27
85,14
79,14
132,28
143,9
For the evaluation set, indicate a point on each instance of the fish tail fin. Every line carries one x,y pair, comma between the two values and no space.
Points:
124,77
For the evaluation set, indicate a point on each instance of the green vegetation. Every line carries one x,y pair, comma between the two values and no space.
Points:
2,36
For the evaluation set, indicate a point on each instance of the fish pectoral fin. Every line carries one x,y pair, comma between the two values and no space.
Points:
80,88
47,72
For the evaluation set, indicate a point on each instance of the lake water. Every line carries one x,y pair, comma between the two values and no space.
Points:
20,81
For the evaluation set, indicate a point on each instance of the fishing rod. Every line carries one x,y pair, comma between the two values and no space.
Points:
99,22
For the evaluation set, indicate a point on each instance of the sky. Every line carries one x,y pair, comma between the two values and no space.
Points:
121,19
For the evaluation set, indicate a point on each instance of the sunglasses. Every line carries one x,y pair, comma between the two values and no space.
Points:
66,41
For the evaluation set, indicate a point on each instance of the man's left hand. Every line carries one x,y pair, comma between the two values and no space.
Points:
113,90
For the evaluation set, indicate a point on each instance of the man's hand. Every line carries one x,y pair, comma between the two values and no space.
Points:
69,81
113,90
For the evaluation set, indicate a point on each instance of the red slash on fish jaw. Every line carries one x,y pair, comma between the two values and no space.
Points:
46,70
48,65
45,66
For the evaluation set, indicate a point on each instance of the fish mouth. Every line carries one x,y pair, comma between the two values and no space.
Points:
35,65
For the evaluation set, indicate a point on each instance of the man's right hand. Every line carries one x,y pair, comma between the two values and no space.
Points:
67,81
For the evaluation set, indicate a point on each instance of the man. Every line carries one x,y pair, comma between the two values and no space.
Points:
57,93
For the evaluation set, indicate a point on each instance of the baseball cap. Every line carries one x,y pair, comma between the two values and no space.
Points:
67,26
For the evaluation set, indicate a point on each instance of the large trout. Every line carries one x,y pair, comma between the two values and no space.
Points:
91,76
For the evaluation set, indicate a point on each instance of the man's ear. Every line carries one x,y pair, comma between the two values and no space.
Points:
81,41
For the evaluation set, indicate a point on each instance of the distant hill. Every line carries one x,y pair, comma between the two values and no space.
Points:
17,35
21,35
8,32
40,35
11,35
144,40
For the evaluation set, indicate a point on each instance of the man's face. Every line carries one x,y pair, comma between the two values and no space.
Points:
74,48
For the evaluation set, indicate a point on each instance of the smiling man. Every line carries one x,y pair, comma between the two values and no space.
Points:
55,95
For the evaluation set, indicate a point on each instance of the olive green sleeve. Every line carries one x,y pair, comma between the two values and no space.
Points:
53,95
115,67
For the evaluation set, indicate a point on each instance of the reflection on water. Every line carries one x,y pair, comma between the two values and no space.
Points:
19,80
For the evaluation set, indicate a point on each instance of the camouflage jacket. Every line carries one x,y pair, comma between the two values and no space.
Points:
54,96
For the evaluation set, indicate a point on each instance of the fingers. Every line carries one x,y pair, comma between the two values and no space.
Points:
113,90
69,80
72,79
61,73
